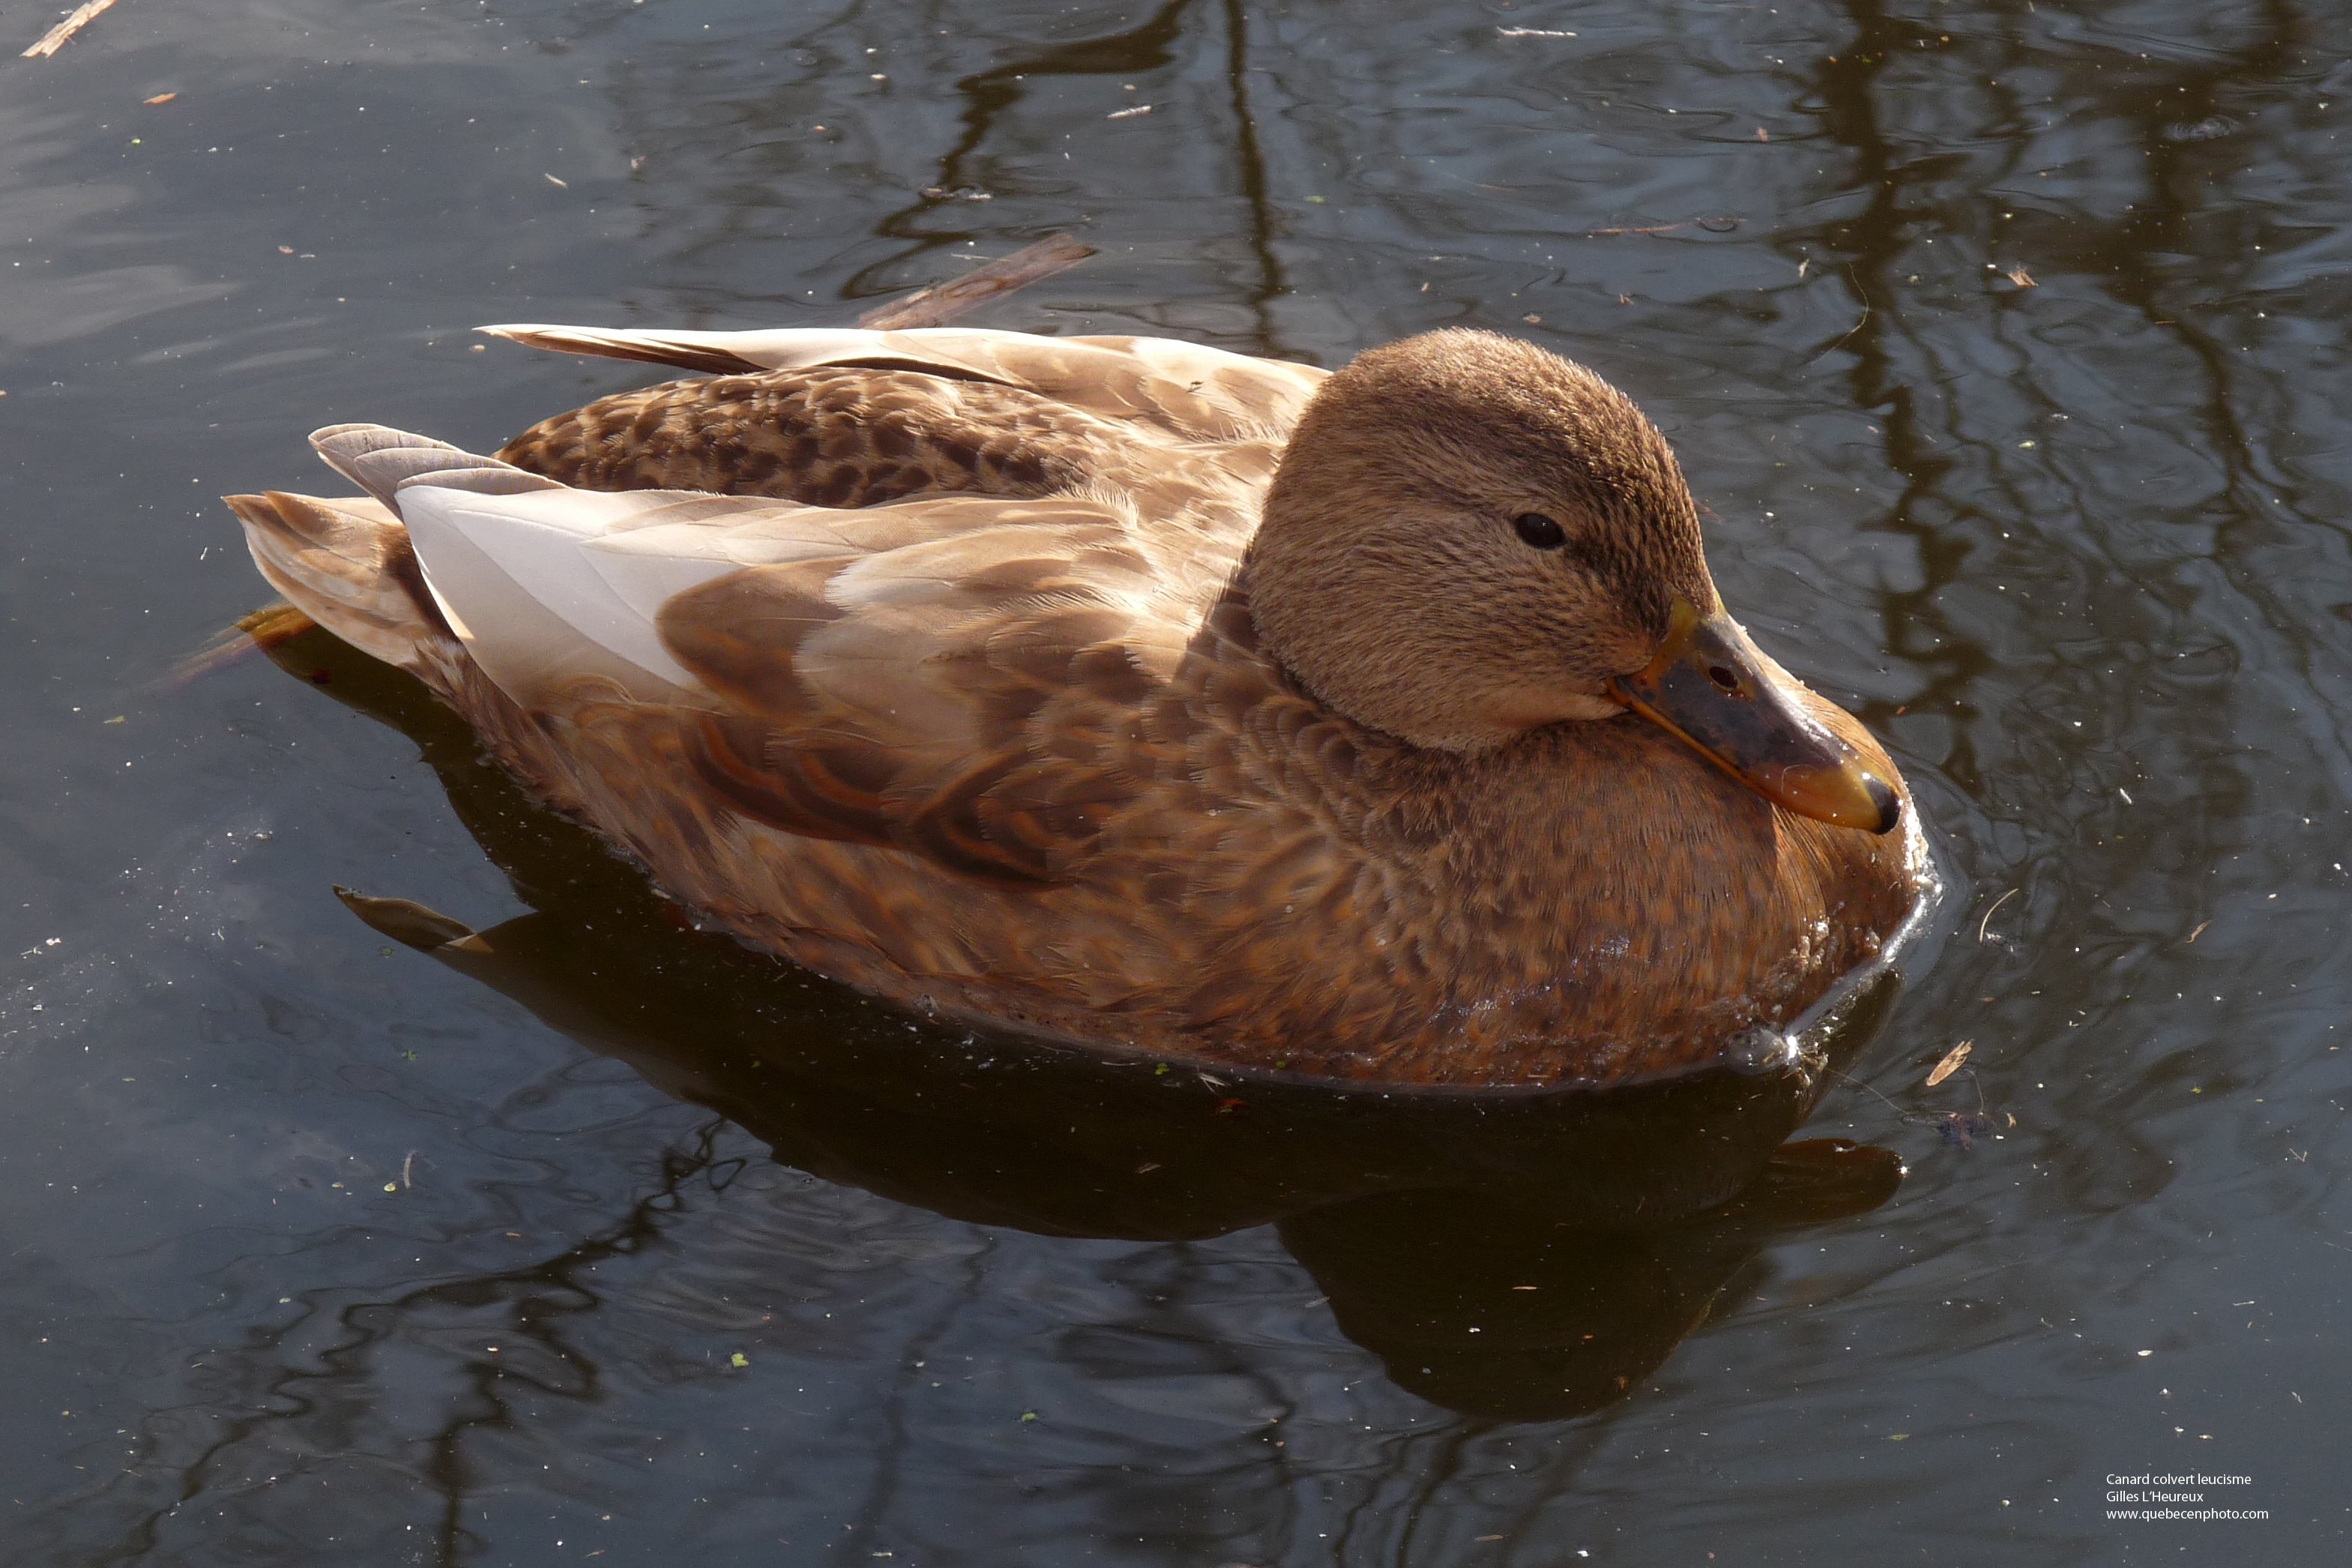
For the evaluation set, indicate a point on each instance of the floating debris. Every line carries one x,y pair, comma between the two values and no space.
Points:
158,99
1714,224
1951,1062
1129,113
1961,1129
1982,936
943,302
58,37
2205,130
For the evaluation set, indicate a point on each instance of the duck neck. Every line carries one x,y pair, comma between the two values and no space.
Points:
1331,627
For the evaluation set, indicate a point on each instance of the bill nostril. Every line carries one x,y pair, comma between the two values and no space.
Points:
1723,677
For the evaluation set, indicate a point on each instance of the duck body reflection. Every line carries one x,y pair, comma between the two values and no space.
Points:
1196,708
1583,1233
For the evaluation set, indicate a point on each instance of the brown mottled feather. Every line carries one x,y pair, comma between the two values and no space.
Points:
976,709
835,436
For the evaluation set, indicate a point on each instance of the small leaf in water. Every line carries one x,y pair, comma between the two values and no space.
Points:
118,718
1028,1416
1159,1071
739,1359
1951,1062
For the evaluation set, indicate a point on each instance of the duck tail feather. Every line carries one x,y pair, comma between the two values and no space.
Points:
683,351
349,565
380,461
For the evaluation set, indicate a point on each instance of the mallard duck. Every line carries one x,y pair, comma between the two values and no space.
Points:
1382,724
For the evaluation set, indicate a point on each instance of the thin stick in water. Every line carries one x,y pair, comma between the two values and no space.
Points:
1991,912
942,302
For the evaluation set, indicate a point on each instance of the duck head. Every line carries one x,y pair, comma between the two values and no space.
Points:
1469,538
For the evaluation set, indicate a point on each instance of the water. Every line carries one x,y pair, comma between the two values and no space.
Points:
2006,340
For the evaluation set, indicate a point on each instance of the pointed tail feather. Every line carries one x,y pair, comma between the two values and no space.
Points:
685,351
380,460
347,563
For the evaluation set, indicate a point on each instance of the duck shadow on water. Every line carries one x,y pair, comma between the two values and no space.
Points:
1519,1253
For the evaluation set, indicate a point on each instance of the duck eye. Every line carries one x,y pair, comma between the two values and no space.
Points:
1540,530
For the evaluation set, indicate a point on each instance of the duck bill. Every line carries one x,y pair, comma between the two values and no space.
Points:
1715,689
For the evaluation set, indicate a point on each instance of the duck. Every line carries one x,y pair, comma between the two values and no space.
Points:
1380,725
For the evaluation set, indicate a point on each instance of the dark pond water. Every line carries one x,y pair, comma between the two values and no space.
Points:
2008,341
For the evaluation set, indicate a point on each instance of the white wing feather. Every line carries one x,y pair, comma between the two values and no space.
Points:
526,582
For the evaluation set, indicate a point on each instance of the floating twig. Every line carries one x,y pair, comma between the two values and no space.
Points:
58,37
942,302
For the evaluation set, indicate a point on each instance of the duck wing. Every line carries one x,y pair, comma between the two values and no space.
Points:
1184,389
955,677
